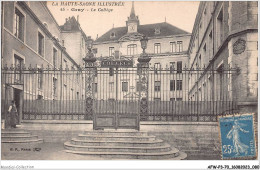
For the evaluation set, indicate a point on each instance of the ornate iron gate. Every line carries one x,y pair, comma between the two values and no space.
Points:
121,97
116,100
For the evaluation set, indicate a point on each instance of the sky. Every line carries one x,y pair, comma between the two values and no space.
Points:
95,19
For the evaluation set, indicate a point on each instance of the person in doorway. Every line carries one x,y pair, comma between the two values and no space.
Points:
13,115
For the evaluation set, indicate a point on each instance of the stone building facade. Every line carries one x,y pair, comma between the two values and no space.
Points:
224,36
167,46
73,38
31,38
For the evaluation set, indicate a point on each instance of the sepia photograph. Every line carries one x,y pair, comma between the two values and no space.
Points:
130,80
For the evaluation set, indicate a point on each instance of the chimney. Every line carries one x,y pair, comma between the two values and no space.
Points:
77,18
66,19
97,36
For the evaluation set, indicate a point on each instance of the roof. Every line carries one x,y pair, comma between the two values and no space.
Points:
72,25
166,29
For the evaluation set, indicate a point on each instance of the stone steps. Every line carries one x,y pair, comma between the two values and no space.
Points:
24,141
117,133
157,142
130,155
145,149
7,134
122,144
18,136
116,138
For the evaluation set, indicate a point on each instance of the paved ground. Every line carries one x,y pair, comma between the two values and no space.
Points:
46,151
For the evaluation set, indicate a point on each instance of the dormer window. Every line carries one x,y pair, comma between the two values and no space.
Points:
157,31
112,35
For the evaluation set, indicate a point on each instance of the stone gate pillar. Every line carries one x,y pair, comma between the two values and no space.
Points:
143,72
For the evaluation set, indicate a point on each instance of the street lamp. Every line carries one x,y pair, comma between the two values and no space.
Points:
89,43
144,58
89,56
144,41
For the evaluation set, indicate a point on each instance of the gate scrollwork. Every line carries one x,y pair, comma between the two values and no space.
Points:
143,72
89,80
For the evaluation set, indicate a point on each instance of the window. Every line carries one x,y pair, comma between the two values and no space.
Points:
54,87
172,67
55,58
111,51
179,67
178,84
111,86
40,78
124,86
18,61
157,48
157,31
40,44
157,66
111,71
95,87
131,49
157,86
221,87
19,24
179,46
172,85
220,27
138,86
173,47
178,99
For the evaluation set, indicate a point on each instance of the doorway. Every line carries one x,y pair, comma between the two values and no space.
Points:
18,101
